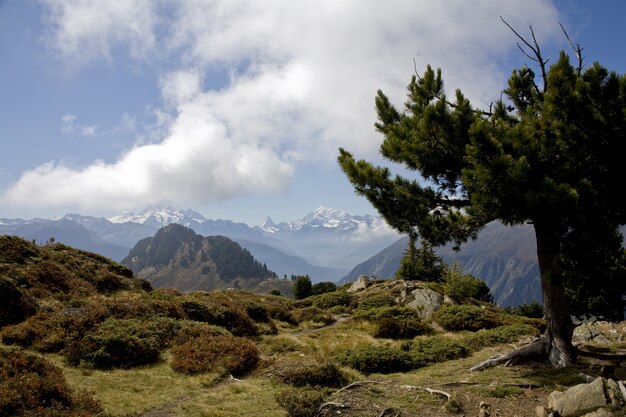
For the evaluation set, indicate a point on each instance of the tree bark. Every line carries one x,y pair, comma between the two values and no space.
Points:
559,329
556,342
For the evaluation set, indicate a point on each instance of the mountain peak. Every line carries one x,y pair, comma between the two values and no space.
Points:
160,216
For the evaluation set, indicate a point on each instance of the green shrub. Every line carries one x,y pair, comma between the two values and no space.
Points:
533,310
32,386
466,317
257,312
435,349
393,312
313,314
280,345
301,374
500,335
459,286
400,328
301,402
190,330
235,355
221,313
15,306
380,359
323,287
144,308
377,300
332,299
276,292
123,343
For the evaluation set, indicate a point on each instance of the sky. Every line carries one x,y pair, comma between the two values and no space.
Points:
236,108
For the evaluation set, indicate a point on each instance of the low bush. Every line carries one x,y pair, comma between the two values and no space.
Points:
231,354
400,328
118,343
381,359
500,335
313,314
301,402
393,312
332,299
15,306
314,374
220,312
533,310
377,300
435,349
32,386
144,308
190,330
466,317
280,344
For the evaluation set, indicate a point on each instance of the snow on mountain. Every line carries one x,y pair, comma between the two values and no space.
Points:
328,219
160,216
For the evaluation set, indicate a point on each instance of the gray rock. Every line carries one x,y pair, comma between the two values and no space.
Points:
425,301
579,399
360,284
601,412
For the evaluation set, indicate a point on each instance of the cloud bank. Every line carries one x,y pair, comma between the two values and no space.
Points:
300,81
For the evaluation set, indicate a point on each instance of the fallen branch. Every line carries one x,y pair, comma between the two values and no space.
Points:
358,383
232,378
622,388
429,390
330,404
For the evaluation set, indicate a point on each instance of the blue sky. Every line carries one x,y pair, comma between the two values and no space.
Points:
236,108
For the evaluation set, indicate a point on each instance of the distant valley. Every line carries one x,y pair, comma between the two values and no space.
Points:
326,244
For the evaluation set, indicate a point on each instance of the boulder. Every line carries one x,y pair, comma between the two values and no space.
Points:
425,301
360,284
579,399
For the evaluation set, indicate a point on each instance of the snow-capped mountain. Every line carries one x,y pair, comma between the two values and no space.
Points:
160,217
327,242
327,218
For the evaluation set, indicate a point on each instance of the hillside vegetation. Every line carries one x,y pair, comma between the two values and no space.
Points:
81,336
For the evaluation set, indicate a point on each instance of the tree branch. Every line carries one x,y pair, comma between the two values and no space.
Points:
578,51
537,55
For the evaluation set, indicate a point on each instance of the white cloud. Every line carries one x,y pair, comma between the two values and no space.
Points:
70,127
303,75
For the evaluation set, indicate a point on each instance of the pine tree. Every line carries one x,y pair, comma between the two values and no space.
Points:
551,153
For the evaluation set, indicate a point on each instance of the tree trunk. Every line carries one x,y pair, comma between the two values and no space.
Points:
558,334
556,342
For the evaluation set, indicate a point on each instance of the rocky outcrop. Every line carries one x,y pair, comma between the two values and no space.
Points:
601,397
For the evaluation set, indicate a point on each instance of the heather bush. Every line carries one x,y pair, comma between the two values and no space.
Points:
144,308
32,386
393,312
400,328
235,355
257,312
280,344
303,373
313,314
381,359
466,317
15,306
14,249
499,335
435,349
332,299
301,402
220,312
190,330
377,300
122,343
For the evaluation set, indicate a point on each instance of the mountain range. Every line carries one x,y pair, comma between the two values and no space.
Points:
177,257
326,244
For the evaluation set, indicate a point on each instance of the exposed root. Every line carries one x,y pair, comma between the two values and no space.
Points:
358,383
330,404
535,349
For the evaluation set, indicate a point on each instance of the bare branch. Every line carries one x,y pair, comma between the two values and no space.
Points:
415,69
536,52
578,51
